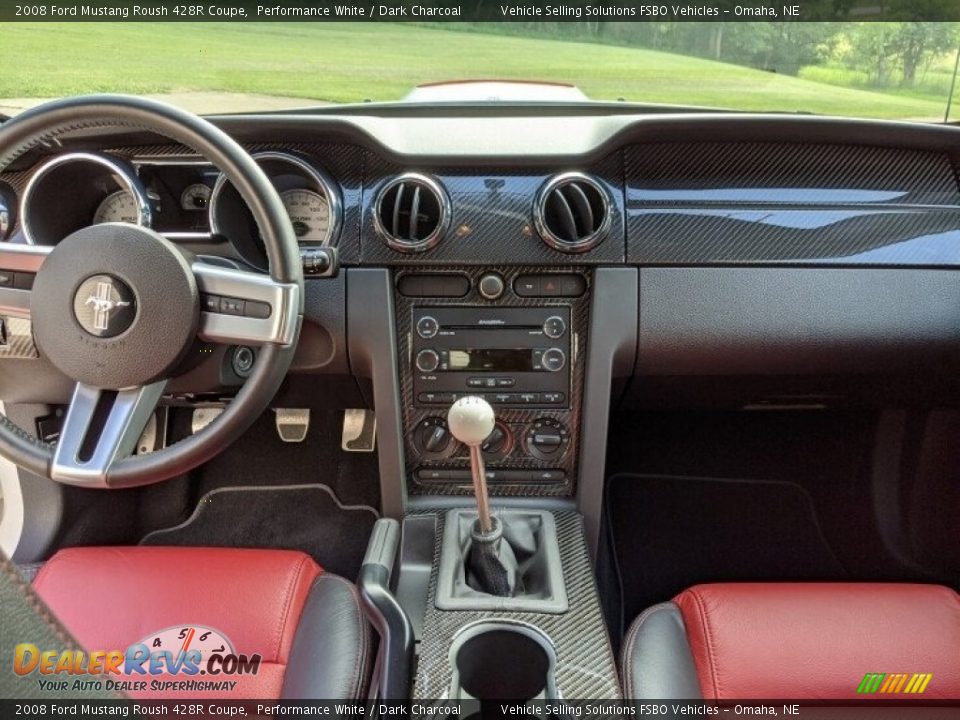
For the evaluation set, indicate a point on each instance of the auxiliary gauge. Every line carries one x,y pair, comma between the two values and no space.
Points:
195,197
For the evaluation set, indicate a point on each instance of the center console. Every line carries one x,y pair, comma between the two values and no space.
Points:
491,594
515,337
475,652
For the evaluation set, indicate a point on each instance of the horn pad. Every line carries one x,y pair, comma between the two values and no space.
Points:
114,306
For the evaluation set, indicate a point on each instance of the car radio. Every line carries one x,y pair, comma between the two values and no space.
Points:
514,357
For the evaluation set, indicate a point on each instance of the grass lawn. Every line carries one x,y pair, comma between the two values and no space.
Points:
344,62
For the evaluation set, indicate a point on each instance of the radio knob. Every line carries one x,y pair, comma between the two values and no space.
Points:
554,327
427,327
491,286
428,360
553,359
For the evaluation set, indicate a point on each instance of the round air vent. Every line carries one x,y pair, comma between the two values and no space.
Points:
572,212
411,213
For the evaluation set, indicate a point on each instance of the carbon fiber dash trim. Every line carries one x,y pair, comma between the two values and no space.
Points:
753,165
492,217
706,203
585,662
18,339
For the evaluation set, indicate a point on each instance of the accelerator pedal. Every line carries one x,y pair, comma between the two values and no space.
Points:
359,430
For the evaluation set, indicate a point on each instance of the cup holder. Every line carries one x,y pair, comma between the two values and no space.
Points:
503,661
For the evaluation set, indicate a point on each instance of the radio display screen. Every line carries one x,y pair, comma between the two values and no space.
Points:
491,359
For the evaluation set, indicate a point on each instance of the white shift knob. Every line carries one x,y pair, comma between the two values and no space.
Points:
470,420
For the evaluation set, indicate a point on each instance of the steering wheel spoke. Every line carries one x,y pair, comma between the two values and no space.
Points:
245,308
18,266
101,428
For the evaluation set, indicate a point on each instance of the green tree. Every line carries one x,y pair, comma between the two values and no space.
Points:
873,50
917,43
881,48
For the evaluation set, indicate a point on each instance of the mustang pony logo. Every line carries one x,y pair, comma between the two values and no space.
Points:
103,304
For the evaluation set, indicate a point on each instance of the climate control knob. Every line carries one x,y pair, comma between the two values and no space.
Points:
553,359
427,361
432,438
498,444
547,439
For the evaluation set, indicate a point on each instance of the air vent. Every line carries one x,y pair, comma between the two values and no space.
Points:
572,212
412,213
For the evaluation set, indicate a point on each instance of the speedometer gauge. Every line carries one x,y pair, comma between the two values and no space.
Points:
120,206
310,214
311,199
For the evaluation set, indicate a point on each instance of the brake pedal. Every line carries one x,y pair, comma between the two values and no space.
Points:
292,423
359,430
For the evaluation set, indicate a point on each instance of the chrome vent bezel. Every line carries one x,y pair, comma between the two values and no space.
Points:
413,245
555,185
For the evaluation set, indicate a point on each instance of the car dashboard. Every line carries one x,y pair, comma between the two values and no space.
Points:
553,262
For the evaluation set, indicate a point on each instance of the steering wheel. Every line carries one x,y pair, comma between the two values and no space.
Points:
117,307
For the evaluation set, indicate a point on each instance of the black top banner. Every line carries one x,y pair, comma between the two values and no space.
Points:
568,709
518,11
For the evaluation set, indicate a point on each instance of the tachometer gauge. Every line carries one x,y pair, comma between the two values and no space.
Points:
120,206
195,197
310,214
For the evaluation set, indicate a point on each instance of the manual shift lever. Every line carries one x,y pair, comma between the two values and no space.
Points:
471,420
491,564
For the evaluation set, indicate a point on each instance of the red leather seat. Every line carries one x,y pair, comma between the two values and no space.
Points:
809,641
306,625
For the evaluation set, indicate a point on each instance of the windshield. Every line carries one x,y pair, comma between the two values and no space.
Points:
878,69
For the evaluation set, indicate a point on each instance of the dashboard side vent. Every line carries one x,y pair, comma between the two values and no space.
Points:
412,213
572,212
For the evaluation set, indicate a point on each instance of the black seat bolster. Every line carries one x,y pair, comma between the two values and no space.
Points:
657,663
331,653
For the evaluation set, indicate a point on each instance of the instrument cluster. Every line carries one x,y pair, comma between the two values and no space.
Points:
184,199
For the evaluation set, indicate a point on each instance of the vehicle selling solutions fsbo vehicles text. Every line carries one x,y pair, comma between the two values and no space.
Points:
640,11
